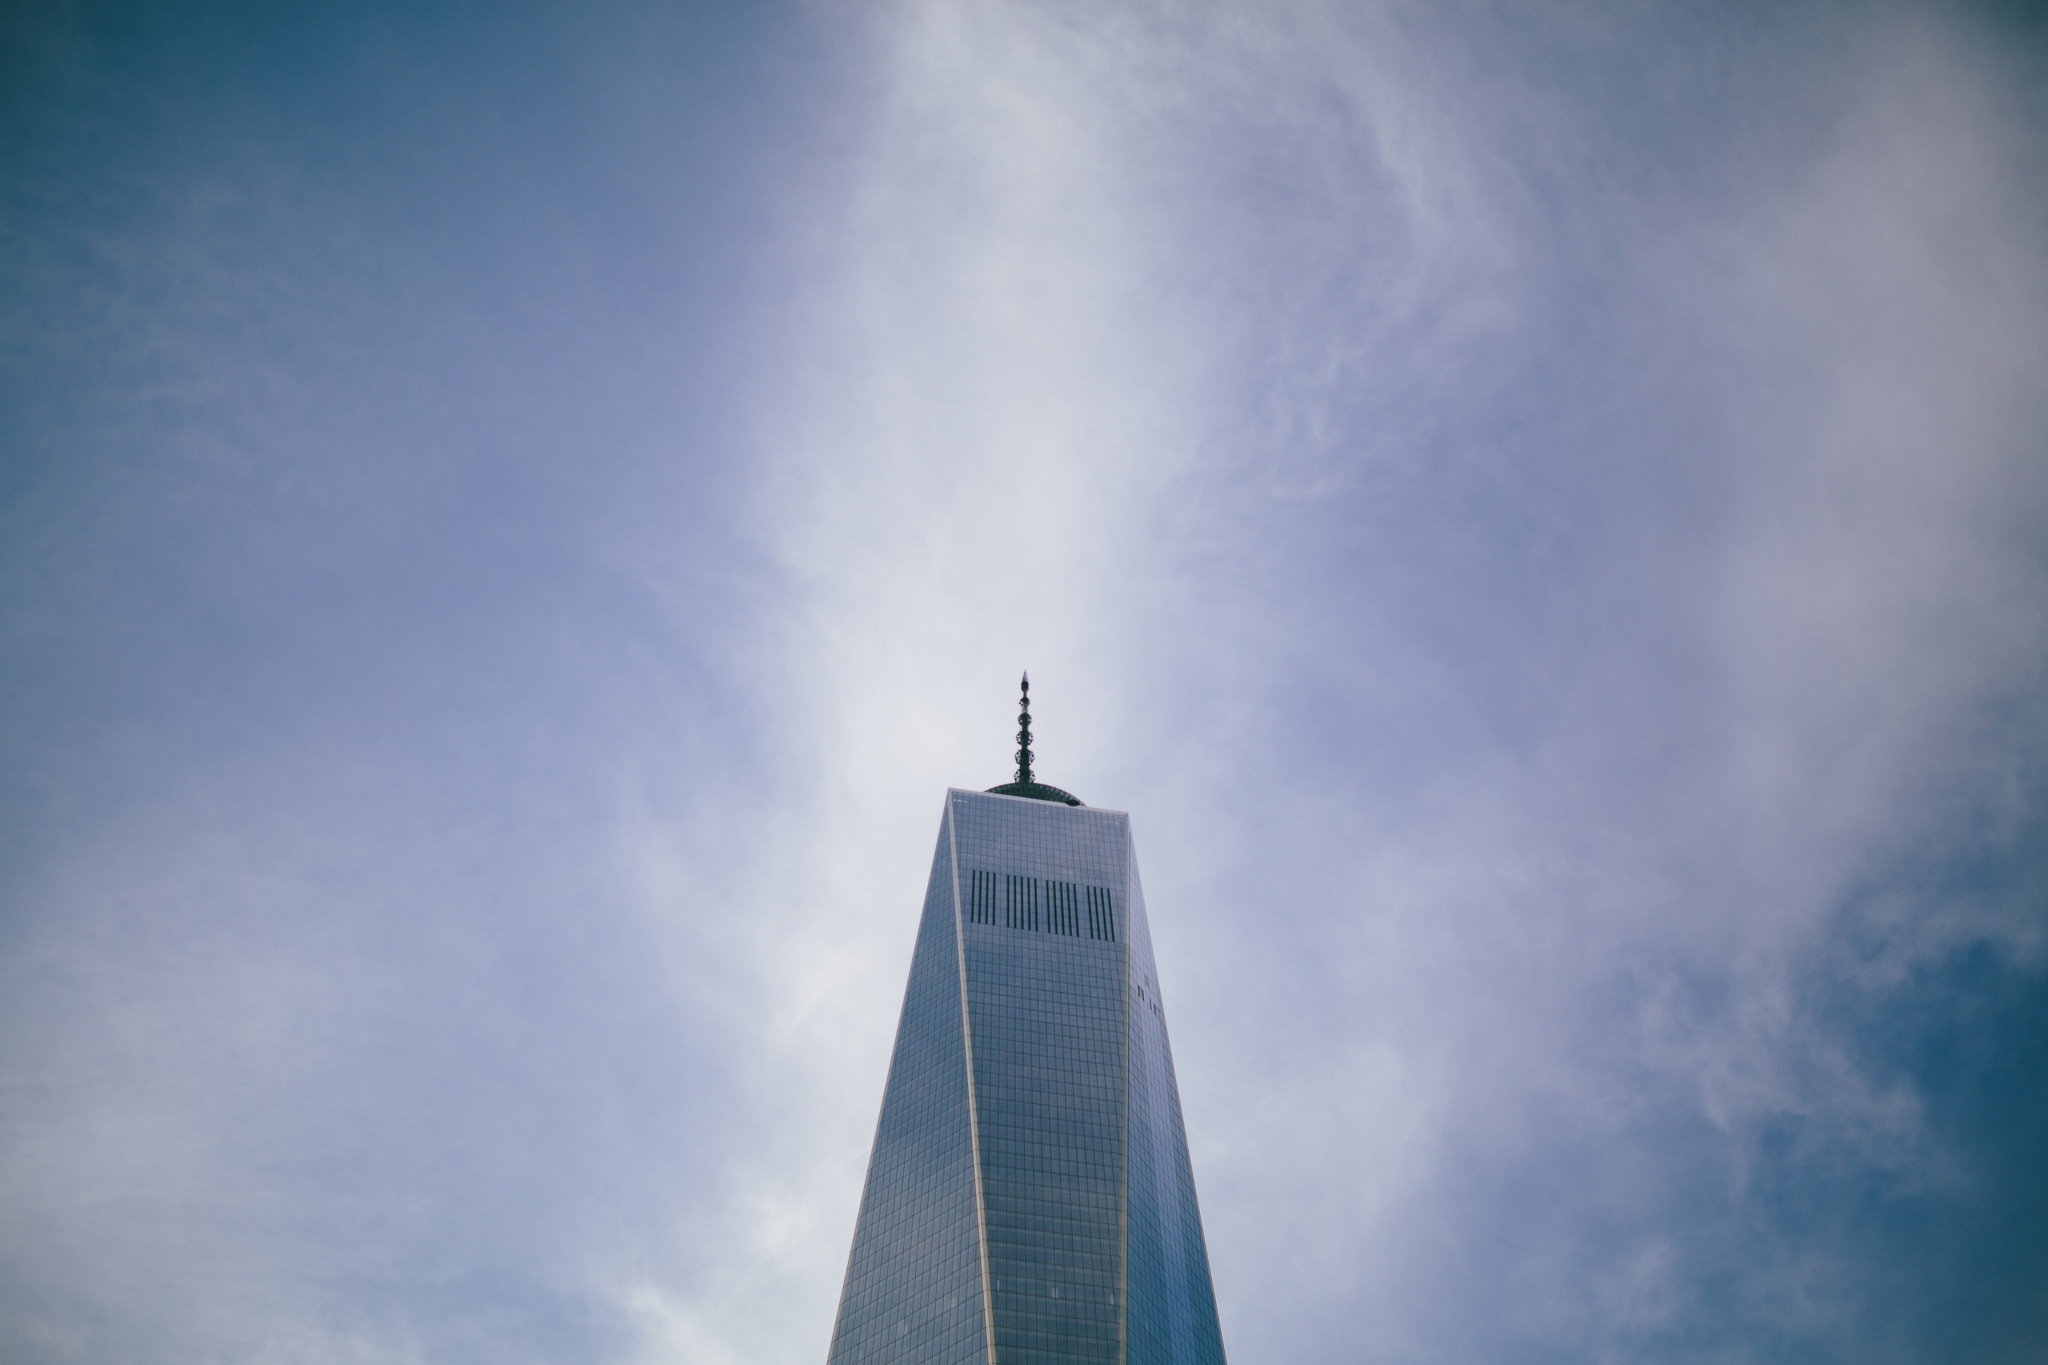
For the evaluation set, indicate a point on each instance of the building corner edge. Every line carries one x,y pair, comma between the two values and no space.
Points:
988,1302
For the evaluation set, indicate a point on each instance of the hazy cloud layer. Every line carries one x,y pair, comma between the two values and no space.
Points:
511,523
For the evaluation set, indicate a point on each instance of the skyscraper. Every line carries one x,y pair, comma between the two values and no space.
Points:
1029,1200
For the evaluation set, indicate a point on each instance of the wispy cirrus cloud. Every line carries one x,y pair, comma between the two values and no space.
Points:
1535,515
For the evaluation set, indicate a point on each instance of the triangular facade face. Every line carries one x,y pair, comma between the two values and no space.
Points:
1029,1200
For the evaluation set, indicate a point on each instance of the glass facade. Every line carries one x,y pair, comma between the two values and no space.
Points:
1029,1200
914,1281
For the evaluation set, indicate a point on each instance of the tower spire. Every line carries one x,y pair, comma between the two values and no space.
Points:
1026,782
1024,732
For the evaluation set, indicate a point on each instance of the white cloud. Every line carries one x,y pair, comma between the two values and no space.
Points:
1120,304
1532,597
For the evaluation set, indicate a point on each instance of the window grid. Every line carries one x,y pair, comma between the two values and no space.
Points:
981,898
1021,906
1101,914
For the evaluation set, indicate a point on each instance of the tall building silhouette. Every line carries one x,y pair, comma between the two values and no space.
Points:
1029,1200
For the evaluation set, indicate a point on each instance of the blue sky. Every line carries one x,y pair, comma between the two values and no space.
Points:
512,516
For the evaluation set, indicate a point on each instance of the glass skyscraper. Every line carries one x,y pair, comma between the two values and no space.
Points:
1029,1199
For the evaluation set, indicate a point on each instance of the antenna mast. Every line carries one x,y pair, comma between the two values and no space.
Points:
1024,732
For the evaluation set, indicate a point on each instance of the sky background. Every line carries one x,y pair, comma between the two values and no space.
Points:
512,515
